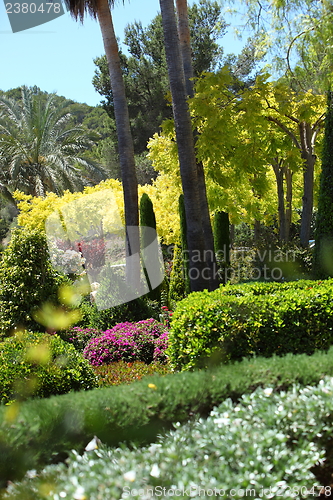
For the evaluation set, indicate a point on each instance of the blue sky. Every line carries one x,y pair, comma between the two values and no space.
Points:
58,56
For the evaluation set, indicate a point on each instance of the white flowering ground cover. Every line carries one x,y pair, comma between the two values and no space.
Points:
262,447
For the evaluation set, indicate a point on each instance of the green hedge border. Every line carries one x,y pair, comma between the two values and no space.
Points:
43,431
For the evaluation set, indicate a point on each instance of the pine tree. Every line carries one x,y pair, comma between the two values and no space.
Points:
147,221
323,258
222,241
177,282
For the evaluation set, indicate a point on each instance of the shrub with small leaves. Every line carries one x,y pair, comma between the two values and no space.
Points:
143,341
41,365
27,280
261,319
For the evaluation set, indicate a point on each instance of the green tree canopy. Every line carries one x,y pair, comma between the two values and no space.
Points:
145,71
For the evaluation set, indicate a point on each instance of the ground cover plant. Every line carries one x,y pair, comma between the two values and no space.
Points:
122,372
42,431
268,444
253,319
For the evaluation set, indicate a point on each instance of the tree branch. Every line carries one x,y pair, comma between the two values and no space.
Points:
285,129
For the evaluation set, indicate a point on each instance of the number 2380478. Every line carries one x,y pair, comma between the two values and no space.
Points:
32,8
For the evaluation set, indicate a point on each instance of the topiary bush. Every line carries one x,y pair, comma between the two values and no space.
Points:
255,319
41,365
27,280
177,287
145,341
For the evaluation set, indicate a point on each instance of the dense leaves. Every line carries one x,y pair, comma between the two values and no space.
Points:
255,319
27,280
41,365
265,445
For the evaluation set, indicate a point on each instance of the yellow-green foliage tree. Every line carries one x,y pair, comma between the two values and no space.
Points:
299,116
255,147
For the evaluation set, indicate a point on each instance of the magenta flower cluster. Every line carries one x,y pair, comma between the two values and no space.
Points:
144,341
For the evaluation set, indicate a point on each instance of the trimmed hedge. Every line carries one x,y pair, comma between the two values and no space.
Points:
268,446
39,432
41,365
253,319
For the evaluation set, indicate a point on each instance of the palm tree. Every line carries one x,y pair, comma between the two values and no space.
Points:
39,152
186,54
185,142
101,9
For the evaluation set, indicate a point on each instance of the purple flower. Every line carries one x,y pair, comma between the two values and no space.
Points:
145,341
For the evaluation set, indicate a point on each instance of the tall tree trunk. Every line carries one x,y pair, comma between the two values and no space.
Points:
308,176
125,144
186,53
188,169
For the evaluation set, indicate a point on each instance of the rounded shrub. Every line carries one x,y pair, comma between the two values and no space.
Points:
41,365
258,319
144,341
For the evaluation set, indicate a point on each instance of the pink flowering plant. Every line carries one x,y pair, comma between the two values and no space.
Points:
166,315
144,341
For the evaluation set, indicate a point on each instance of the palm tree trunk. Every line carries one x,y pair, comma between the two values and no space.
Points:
186,53
125,143
188,169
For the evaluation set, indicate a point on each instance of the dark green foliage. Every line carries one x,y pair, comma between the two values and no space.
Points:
4,227
222,241
147,237
43,431
79,337
323,259
27,280
184,246
147,215
177,289
145,71
135,310
258,319
41,365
